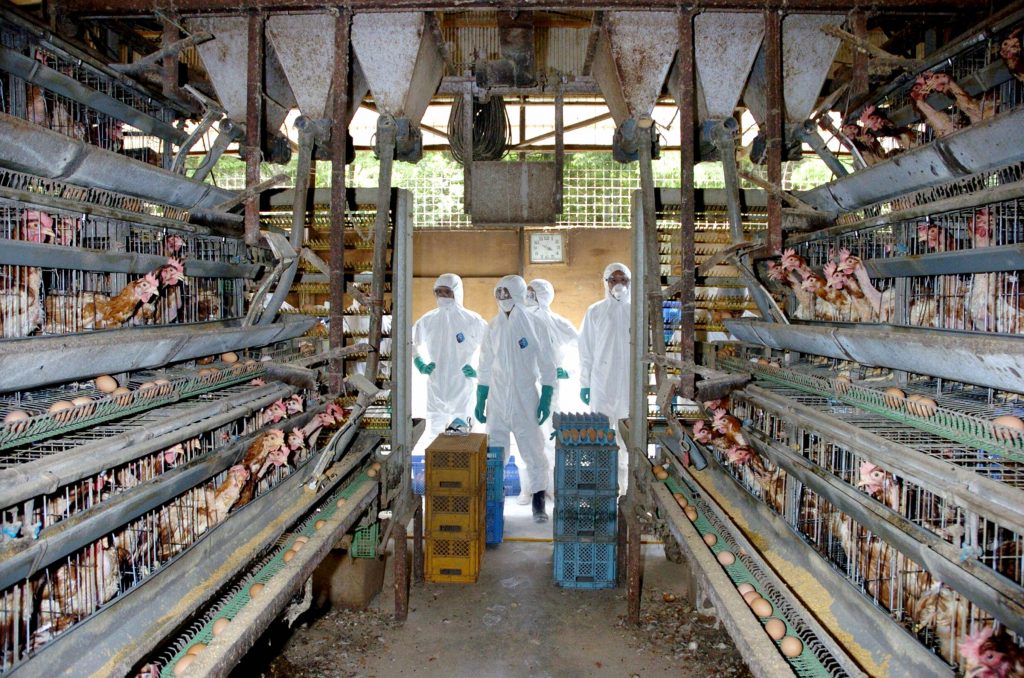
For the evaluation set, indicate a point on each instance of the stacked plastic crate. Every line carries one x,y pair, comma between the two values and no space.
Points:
495,496
456,482
586,501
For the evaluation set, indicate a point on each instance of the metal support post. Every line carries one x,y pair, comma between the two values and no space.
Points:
687,146
773,123
254,124
401,573
339,136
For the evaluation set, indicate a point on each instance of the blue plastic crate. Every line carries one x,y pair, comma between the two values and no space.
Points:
495,474
584,565
495,521
589,517
586,469
418,474
511,478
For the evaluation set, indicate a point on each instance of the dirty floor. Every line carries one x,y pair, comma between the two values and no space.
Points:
513,623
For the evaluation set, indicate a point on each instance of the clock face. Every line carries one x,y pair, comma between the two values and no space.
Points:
547,248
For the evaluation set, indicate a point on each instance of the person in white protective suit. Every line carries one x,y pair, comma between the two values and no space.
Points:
515,355
539,295
604,356
445,341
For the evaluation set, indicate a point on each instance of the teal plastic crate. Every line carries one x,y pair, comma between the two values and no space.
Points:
364,542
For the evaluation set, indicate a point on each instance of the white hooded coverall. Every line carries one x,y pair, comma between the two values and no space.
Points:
514,357
448,336
563,339
604,360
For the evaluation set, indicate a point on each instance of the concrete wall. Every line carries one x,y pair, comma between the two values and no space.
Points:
482,257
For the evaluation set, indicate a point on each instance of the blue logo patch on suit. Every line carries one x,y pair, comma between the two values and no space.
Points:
523,343
460,337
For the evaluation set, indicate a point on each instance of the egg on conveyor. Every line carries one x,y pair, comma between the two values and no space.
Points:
340,502
726,558
319,524
121,395
894,397
1010,422
148,389
220,625
775,627
926,407
791,646
710,539
750,596
298,545
230,357
85,405
301,540
183,664
196,649
255,590
660,473
681,500
105,384
288,555
761,607
745,588
13,417
691,513
60,406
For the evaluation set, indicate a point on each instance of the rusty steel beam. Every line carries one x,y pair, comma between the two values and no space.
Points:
417,542
620,548
687,208
859,82
401,572
773,123
169,76
339,140
254,124
107,7
634,566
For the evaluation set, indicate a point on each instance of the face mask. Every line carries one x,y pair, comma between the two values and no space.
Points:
506,305
443,302
620,292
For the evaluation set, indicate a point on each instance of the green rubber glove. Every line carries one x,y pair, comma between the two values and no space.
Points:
585,395
468,371
423,367
481,402
562,374
544,408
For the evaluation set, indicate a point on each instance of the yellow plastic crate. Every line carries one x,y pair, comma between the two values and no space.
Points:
455,515
453,560
456,464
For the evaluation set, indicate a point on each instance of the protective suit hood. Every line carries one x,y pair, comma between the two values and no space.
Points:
608,270
454,282
544,290
516,287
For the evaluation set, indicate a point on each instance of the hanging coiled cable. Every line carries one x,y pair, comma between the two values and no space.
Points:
492,133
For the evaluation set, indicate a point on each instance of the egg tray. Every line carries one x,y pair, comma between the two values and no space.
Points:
742,571
583,430
959,427
234,604
110,407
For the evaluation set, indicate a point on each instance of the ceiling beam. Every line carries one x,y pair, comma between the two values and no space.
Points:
135,7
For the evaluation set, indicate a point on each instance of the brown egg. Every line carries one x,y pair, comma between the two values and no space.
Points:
660,473
691,513
763,361
371,472
255,590
1011,422
61,406
195,649
288,555
297,546
761,607
205,361
791,646
710,539
726,558
122,396
926,407
85,406
230,357
775,627
842,384
183,663
13,417
750,596
319,524
745,588
341,502
220,625
894,397
147,389
681,500
375,466
105,384
301,539
668,597
163,386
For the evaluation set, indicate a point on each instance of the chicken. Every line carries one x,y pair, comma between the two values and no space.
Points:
21,287
163,310
878,125
1009,51
47,110
294,405
975,111
940,122
82,584
730,427
947,614
220,500
867,145
101,313
789,278
935,238
173,245
272,413
255,461
66,230
824,299
880,484
862,308
981,300
988,654
208,305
